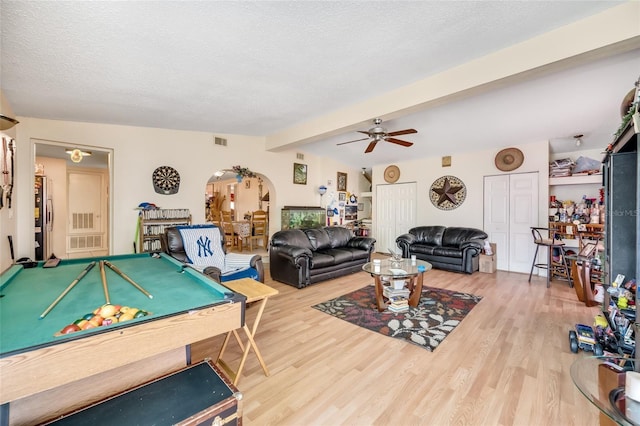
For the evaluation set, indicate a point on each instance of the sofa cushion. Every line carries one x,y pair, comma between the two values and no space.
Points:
447,251
423,249
359,254
339,256
318,238
453,236
338,236
431,235
321,260
291,237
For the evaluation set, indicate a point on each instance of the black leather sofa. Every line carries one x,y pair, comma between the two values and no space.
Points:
171,243
300,257
451,249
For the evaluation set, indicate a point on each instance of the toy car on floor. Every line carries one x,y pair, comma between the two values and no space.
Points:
583,337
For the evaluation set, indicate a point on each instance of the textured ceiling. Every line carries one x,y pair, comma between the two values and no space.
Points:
259,67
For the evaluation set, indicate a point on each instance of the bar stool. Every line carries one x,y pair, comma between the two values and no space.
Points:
559,268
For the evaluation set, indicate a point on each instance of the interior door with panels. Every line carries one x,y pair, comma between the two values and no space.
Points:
510,210
396,209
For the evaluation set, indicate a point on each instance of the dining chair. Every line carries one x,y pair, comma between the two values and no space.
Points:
260,229
226,224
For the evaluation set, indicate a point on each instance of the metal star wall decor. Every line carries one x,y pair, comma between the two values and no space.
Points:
447,192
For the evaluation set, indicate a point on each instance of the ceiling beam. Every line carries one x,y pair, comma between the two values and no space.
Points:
608,33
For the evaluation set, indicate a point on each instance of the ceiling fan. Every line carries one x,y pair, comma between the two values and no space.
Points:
378,133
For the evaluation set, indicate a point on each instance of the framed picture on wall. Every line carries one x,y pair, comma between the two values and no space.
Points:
300,173
342,181
342,196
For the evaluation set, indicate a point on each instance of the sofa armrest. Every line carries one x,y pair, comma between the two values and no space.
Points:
362,243
256,263
404,242
213,273
471,244
292,253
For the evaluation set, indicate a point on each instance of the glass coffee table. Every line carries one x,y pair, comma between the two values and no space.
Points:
601,380
389,270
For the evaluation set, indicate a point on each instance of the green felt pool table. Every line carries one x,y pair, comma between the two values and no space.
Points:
186,306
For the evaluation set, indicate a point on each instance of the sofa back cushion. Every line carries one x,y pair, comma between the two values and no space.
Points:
431,235
453,236
318,238
292,237
338,236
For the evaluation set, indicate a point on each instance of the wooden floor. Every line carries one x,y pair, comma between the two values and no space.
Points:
507,363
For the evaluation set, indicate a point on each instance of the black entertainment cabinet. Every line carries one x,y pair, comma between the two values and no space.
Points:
622,225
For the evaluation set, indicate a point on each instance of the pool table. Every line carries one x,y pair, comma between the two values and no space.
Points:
186,307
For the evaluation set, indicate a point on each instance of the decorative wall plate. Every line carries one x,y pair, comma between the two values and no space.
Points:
391,174
447,192
166,180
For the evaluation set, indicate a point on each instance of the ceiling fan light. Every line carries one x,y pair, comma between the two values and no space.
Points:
578,139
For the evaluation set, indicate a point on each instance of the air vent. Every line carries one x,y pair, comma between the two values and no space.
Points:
300,156
81,221
219,141
85,242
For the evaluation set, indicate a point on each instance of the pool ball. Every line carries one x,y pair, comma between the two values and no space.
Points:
71,328
107,310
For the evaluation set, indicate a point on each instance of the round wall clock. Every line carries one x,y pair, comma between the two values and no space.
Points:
166,180
447,192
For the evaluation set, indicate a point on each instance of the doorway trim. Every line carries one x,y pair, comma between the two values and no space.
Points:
34,142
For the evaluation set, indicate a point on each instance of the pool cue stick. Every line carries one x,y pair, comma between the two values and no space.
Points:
115,269
68,289
104,282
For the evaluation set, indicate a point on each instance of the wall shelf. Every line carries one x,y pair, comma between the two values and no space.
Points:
576,180
152,223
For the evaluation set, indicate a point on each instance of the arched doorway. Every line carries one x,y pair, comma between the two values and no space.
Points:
225,192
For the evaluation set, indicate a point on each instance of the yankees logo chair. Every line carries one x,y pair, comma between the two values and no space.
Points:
203,247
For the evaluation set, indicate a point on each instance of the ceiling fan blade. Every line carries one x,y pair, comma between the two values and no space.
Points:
399,142
364,132
402,132
357,140
370,147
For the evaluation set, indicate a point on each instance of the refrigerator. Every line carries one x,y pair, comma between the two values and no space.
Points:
43,214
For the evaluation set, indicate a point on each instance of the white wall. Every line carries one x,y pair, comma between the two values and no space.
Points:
470,167
138,151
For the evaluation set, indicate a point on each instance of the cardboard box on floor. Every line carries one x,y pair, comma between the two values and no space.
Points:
488,263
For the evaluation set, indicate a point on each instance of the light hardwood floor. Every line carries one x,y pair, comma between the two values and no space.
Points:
507,363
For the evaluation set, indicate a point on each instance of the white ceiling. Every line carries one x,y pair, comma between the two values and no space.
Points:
260,67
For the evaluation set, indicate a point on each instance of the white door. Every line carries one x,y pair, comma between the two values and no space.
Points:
87,198
496,216
510,210
523,214
395,213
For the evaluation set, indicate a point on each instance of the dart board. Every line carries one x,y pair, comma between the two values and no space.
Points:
447,192
166,180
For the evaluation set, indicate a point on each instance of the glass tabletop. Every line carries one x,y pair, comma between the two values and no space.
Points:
401,269
597,379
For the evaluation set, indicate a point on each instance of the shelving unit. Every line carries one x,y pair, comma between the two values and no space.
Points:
152,223
574,188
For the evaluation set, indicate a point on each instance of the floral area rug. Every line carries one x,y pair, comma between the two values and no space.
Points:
438,314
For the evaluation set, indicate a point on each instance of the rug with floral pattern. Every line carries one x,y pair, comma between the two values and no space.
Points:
439,312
